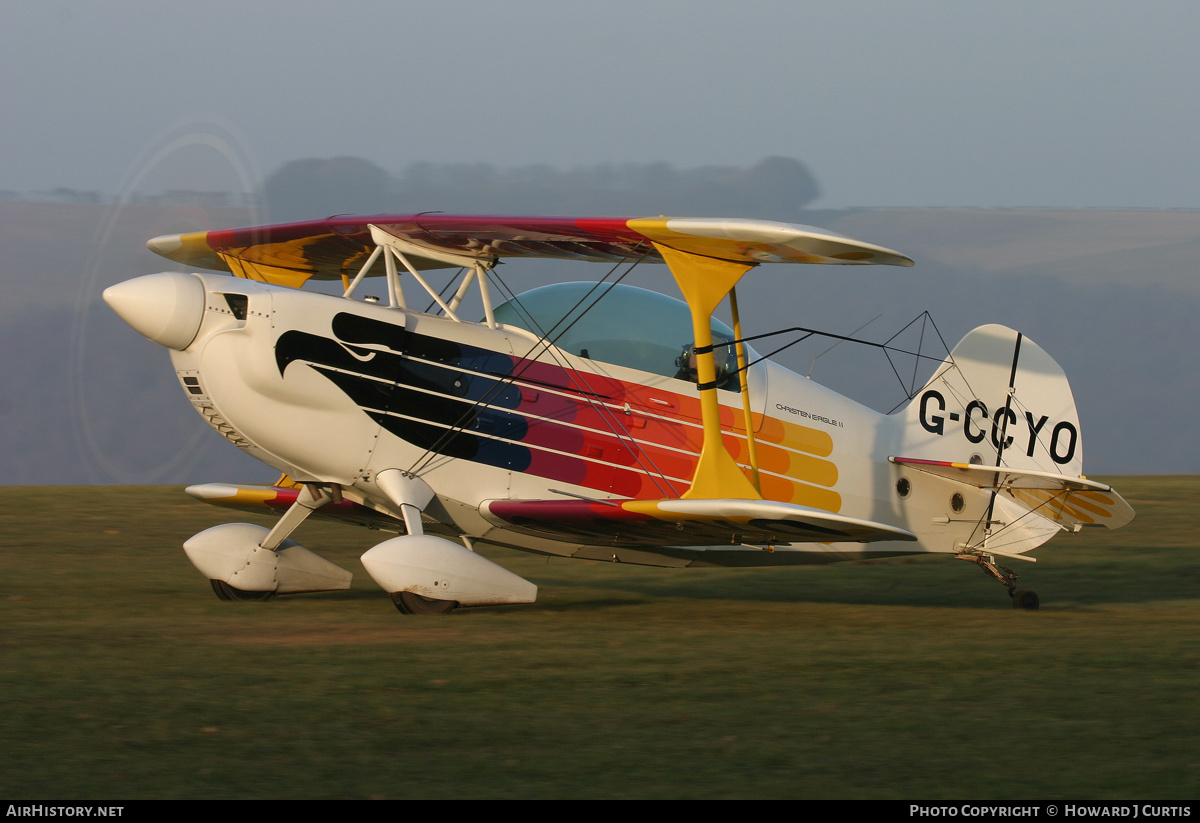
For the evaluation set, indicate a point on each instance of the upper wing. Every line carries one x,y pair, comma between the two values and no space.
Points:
693,522
291,253
1066,500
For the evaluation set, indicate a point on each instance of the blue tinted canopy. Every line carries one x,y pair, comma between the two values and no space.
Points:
619,324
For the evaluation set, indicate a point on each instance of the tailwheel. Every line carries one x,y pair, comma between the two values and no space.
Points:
409,603
1026,599
226,592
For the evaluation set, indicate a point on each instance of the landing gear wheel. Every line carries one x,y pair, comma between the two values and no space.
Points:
227,592
409,603
1026,599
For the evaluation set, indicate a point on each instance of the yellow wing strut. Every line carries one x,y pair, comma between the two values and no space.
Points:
704,282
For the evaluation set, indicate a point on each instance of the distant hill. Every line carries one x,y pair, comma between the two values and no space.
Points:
1112,295
1084,247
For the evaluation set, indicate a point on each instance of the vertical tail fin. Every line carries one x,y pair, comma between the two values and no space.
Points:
997,400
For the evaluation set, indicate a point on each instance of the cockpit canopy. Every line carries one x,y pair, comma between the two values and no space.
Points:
623,325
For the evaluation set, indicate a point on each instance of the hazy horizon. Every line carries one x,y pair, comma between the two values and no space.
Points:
925,104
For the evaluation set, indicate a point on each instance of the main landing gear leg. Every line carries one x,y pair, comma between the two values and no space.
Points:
426,574
412,495
1021,598
308,501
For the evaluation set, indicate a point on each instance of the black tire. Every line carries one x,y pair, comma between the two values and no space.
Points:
226,592
1026,599
409,603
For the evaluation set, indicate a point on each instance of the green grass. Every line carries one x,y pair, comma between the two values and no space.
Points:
122,675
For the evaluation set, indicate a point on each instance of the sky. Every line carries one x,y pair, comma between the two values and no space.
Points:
927,103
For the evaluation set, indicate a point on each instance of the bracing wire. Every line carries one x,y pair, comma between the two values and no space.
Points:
546,342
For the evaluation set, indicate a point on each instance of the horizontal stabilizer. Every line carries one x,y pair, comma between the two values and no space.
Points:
1066,500
692,522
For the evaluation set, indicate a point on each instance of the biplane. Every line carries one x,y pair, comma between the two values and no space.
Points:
581,419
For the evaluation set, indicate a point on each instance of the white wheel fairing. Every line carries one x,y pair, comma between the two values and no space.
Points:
231,553
438,569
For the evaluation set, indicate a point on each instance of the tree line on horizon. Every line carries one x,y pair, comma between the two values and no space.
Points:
775,188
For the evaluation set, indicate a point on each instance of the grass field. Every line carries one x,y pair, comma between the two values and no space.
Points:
123,676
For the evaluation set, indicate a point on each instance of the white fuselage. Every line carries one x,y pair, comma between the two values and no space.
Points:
332,390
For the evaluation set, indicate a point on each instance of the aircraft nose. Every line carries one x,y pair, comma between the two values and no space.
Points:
166,308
